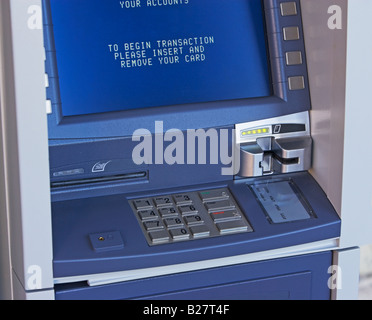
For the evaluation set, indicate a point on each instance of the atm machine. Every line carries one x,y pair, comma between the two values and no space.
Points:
190,149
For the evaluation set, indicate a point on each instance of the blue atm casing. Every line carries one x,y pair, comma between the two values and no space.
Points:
232,69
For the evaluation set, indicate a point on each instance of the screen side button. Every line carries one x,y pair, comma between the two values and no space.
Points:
293,58
291,33
296,83
288,9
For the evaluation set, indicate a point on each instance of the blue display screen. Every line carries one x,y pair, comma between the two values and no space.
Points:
116,55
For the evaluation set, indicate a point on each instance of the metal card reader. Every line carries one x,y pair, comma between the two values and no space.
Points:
273,146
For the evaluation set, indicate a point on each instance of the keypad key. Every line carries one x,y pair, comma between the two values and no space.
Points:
153,225
232,226
188,209
147,214
225,215
163,201
200,231
194,219
166,212
219,205
210,195
159,236
173,222
183,198
179,234
140,204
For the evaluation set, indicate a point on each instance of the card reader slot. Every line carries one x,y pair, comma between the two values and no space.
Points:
94,180
285,161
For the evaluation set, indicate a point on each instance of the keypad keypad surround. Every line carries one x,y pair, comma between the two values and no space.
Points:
189,216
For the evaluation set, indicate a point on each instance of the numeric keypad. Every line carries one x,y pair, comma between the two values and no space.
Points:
189,216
